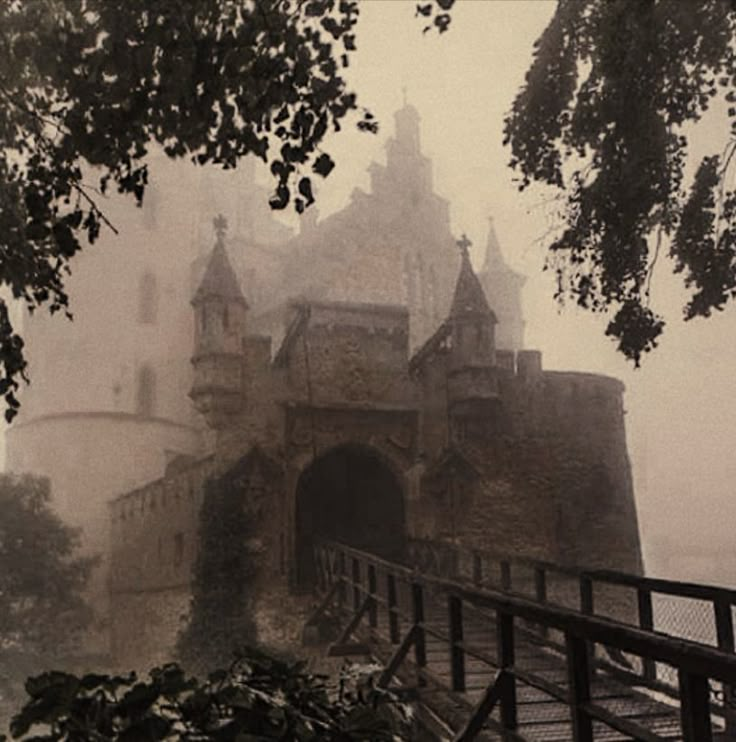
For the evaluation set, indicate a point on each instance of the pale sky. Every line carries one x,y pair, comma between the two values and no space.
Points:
681,414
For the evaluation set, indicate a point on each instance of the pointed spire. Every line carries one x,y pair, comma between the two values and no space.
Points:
493,261
469,298
407,128
219,278
493,256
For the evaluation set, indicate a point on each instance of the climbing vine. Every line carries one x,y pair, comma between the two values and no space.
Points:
221,616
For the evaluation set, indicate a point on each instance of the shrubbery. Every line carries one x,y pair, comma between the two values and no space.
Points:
256,698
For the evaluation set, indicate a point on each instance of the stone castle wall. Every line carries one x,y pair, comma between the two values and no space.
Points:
154,542
554,485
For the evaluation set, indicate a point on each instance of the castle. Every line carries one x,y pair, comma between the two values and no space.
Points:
357,381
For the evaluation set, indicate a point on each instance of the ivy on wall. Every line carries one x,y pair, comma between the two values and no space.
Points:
229,563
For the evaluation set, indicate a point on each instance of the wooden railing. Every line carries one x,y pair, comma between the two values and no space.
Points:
393,598
696,612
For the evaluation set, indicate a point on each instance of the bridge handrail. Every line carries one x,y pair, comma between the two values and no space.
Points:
696,664
722,600
682,653
654,584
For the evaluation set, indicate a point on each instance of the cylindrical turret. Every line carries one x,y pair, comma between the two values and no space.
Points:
220,324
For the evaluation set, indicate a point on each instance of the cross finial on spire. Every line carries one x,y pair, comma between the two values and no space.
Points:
464,243
220,225
403,92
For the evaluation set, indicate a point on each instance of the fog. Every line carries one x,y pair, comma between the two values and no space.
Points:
681,410
681,415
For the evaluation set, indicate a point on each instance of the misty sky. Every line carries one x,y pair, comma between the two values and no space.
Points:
681,413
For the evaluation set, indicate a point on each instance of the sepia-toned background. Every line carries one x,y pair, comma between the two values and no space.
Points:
681,411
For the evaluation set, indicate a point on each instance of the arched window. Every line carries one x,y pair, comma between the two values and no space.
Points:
146,392
148,299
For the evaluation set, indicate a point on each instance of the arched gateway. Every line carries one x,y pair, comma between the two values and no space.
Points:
348,494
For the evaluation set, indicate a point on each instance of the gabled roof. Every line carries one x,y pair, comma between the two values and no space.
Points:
219,279
469,297
431,346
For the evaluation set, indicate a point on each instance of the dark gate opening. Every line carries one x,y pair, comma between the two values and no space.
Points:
351,496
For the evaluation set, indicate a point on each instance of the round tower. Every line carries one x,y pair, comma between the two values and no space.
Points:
106,410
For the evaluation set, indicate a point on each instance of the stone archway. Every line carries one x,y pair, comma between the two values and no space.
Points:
349,494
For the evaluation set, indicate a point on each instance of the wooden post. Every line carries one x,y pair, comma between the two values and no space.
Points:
586,596
587,608
578,671
724,632
328,567
457,653
342,596
417,602
540,593
477,568
505,576
540,584
646,622
695,708
322,569
356,584
372,590
506,659
393,618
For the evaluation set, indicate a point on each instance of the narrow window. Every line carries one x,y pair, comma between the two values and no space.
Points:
146,393
148,299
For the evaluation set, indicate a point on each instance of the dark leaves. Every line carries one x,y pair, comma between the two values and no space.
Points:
89,82
612,141
438,12
256,698
323,165
703,250
636,328
41,581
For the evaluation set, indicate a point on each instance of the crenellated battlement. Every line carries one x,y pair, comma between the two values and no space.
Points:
154,530
162,494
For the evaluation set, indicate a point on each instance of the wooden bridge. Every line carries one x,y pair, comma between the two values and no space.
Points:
497,649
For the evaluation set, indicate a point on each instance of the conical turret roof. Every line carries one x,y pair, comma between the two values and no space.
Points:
494,262
469,297
219,278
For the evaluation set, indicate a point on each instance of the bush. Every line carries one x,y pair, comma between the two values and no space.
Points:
256,698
